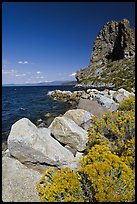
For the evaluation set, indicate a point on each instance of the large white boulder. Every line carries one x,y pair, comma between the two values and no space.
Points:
68,132
28,143
92,106
81,117
85,95
106,102
111,93
18,182
121,94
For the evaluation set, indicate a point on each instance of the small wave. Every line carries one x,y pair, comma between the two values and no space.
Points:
55,107
22,109
39,120
49,93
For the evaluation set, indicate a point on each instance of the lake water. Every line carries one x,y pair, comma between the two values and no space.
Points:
31,102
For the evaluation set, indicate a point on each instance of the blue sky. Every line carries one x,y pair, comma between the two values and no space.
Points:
47,41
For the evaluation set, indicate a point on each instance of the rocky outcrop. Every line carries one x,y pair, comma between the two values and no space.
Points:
106,102
115,41
67,96
112,62
28,143
98,102
119,95
68,132
18,182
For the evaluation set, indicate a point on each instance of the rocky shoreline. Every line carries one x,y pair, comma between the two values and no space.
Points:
108,98
33,149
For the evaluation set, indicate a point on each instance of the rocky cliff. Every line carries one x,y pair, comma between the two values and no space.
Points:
112,62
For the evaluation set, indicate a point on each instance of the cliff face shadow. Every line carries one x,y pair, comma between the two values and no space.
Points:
119,45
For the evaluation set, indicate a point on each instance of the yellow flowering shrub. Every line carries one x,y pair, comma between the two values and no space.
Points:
127,104
102,177
107,171
105,177
117,130
128,153
60,186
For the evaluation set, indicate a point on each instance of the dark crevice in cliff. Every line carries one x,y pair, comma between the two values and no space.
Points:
119,45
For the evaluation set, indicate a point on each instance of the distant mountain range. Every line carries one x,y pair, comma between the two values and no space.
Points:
52,83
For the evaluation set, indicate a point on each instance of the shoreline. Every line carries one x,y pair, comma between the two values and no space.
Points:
33,149
40,122
13,112
45,121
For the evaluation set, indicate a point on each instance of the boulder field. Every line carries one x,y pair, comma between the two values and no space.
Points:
33,149
97,101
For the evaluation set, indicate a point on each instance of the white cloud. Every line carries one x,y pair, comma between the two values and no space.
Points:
8,71
23,62
73,74
38,72
20,62
47,81
12,73
20,75
26,62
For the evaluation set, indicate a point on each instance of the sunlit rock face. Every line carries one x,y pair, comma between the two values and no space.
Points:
115,42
